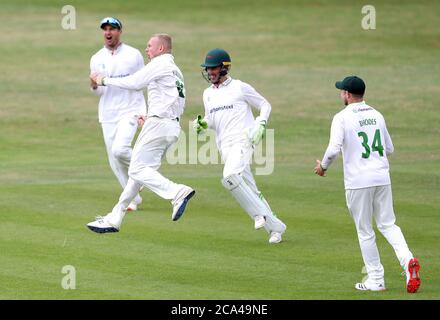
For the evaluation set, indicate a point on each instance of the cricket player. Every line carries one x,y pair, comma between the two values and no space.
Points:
360,132
166,101
228,111
119,109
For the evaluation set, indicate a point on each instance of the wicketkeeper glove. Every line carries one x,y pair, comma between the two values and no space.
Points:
257,133
200,125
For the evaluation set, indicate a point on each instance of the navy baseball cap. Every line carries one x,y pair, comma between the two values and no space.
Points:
115,23
352,84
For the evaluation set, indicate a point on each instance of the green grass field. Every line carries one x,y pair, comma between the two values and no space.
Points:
54,175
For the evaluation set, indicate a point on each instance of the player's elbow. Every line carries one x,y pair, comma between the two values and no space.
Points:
121,153
389,150
137,87
267,108
332,153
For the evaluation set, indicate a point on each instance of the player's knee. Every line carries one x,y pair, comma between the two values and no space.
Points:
138,171
366,235
384,227
228,173
134,171
232,181
121,153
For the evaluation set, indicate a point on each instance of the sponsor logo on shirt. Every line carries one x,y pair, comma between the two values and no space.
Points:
221,108
362,109
120,76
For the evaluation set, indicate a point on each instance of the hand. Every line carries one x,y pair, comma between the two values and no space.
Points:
96,78
319,170
93,84
141,120
200,125
257,133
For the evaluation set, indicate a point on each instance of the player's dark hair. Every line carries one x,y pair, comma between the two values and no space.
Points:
357,96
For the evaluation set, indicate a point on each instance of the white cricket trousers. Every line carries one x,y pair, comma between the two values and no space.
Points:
156,137
118,137
237,154
363,205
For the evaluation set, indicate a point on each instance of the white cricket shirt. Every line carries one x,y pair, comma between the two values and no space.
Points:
360,132
228,109
164,82
116,103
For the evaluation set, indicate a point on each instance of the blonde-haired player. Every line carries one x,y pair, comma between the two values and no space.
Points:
166,102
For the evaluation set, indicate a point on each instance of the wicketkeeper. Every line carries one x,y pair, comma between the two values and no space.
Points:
228,111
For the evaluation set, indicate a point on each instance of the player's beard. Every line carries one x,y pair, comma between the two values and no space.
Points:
345,101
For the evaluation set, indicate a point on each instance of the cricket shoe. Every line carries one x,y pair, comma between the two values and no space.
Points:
275,237
180,204
260,221
412,276
134,203
101,225
369,285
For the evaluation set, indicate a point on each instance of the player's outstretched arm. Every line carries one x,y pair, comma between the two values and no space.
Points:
137,81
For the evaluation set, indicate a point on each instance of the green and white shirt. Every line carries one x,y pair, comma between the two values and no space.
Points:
116,103
360,132
164,83
228,109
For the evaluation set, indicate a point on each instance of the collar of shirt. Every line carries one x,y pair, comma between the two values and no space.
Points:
356,104
223,84
163,56
116,50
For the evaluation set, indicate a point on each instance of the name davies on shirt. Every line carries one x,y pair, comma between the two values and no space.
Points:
221,108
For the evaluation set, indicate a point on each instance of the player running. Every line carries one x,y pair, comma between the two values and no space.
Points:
359,131
166,101
228,111
119,109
